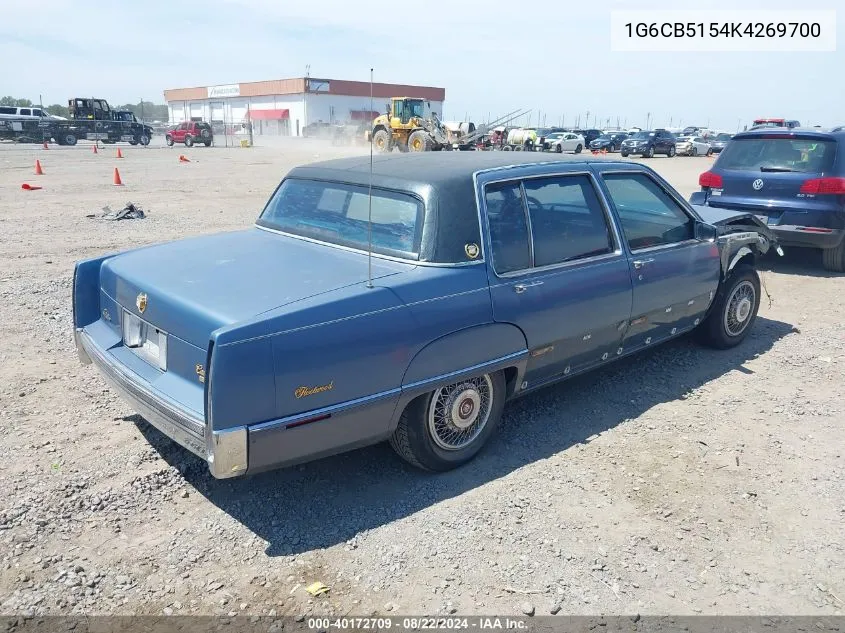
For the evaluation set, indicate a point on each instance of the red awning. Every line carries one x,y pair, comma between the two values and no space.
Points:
268,115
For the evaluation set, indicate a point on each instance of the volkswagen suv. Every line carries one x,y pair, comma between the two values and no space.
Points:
792,179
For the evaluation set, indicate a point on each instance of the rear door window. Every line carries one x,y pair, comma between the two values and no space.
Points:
567,220
649,216
508,227
788,154
26,112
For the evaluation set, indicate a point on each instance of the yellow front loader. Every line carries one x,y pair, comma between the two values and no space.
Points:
410,126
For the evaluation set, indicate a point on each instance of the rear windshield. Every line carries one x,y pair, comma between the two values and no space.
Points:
806,155
338,213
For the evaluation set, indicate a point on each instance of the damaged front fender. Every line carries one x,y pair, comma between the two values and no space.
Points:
739,235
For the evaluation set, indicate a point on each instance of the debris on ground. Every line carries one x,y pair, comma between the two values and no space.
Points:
131,211
317,589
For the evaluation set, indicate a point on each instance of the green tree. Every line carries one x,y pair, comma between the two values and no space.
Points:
57,110
146,110
12,101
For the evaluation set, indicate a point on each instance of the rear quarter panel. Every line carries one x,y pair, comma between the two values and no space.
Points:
358,343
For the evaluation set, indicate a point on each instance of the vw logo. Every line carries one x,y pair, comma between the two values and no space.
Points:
757,184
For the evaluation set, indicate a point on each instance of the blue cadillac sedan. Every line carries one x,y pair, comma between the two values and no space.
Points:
408,303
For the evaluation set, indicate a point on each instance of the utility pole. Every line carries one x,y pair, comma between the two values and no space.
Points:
648,121
587,120
43,129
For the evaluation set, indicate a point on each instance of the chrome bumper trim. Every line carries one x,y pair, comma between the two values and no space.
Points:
182,426
227,452
80,350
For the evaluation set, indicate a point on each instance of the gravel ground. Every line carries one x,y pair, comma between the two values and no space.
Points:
683,481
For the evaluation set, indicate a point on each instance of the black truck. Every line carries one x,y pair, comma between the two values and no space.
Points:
90,119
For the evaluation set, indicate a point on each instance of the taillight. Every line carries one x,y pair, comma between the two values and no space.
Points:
824,186
709,179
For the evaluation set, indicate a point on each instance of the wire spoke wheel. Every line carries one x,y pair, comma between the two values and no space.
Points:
740,306
458,413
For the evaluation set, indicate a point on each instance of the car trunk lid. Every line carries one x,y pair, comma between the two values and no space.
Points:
192,287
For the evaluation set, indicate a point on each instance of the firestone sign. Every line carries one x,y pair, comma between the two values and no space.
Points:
232,90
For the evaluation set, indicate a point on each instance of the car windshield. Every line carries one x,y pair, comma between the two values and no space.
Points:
338,213
605,137
804,155
555,135
723,137
642,135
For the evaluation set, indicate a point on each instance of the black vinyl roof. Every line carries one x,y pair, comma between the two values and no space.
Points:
443,180
434,167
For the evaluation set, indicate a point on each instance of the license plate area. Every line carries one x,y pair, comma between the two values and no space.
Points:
145,340
127,137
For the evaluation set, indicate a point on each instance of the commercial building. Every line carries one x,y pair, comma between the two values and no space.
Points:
288,106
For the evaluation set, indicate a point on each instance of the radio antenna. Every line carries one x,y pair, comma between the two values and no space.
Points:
370,200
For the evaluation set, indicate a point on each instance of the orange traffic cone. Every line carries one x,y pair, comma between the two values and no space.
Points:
117,180
95,150
45,145
183,159
119,153
38,170
28,187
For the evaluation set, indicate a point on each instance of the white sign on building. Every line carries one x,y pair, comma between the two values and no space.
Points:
232,90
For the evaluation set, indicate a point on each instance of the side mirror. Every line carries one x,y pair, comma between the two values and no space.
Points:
706,232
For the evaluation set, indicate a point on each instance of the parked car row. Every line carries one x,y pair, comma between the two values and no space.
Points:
694,141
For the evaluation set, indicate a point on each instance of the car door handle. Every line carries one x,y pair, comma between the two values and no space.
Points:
520,288
639,263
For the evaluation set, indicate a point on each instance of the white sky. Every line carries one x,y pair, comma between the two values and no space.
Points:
492,57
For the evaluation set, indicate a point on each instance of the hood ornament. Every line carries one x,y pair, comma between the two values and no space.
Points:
141,302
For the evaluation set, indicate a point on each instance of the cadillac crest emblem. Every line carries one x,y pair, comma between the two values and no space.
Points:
141,302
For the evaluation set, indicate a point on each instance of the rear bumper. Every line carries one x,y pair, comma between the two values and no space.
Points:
801,236
224,451
804,235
